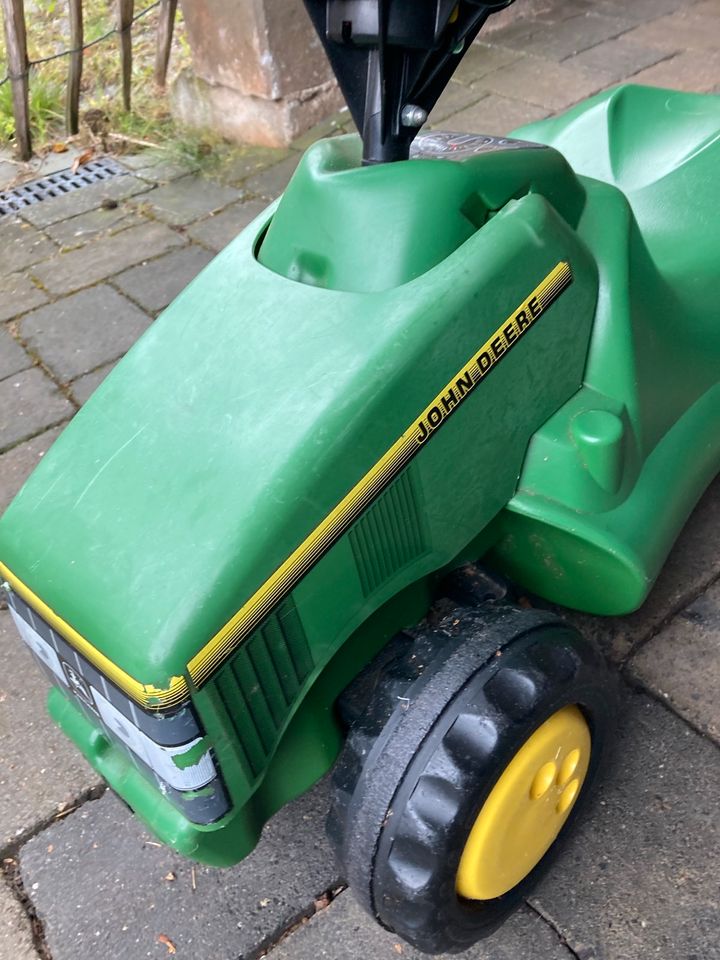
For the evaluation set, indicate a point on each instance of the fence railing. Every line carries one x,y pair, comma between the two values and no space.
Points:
19,65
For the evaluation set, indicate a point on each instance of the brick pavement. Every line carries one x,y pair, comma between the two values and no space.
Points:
80,279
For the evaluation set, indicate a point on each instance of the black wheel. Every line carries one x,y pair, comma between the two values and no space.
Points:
474,753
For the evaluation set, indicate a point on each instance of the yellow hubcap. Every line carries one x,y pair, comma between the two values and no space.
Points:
526,808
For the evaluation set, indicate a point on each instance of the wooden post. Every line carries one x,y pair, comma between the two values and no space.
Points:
166,25
16,43
72,103
125,15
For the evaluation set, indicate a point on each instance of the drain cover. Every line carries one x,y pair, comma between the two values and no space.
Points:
58,184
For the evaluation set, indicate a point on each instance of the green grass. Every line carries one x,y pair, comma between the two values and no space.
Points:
46,24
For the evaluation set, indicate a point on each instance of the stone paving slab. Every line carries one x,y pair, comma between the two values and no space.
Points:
78,231
115,901
682,663
217,231
693,564
83,388
67,272
344,932
17,294
81,201
248,161
189,198
638,879
79,333
456,96
13,358
154,285
557,41
41,772
542,82
22,245
29,403
617,59
482,59
496,115
687,71
16,941
683,30
17,464
271,182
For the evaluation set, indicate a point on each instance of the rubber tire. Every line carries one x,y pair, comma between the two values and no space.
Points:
445,720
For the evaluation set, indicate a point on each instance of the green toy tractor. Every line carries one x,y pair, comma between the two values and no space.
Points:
440,373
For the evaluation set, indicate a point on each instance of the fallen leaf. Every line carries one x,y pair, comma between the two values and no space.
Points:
82,159
161,938
397,947
265,901
59,148
322,902
50,848
170,876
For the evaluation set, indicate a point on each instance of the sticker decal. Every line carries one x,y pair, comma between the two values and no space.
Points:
459,146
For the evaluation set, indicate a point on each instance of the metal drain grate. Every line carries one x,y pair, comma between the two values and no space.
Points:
58,184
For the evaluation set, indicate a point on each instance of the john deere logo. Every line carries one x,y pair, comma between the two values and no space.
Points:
78,685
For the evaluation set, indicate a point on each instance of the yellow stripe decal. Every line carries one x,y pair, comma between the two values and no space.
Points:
339,520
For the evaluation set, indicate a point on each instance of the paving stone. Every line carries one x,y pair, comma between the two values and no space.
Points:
115,901
494,115
8,173
616,59
639,11
29,403
682,663
686,71
154,285
217,231
22,245
541,82
79,333
17,294
17,464
693,564
16,942
164,169
707,8
638,879
188,199
81,201
246,161
456,96
40,770
77,231
13,358
482,59
557,41
82,268
330,127
683,30
83,388
343,931
271,182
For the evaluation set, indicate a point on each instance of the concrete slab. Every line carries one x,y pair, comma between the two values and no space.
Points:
83,388
17,464
79,333
68,272
217,231
189,198
270,183
681,30
13,358
117,898
16,941
154,285
687,71
343,931
481,59
456,96
543,82
22,245
617,59
495,115
29,403
77,231
682,663
41,772
18,294
636,878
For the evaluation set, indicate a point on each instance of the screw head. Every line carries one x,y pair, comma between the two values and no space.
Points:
412,115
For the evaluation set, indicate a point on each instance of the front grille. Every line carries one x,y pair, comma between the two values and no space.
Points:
260,683
152,741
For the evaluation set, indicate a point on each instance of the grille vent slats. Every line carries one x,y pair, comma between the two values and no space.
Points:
59,184
261,680
389,536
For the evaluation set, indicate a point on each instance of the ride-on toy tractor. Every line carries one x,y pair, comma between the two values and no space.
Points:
436,356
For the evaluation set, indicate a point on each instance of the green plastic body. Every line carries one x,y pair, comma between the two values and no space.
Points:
286,371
